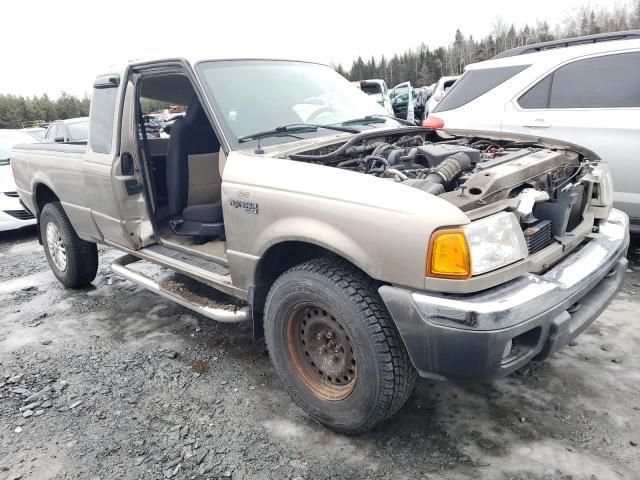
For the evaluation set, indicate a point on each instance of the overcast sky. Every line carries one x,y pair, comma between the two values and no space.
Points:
49,46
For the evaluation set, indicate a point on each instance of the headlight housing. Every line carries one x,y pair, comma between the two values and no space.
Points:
494,242
476,248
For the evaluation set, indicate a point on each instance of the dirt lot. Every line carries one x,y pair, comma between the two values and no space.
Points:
142,388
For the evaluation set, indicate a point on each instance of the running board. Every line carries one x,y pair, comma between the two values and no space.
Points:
220,314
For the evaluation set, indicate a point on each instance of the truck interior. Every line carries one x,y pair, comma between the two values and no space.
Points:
184,171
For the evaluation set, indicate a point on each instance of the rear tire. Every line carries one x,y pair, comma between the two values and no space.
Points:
335,346
73,261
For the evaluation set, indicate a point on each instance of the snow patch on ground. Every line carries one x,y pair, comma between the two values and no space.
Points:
35,280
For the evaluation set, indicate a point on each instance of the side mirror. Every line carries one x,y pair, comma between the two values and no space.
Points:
167,129
59,140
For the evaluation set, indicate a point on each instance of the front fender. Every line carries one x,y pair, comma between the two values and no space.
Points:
379,225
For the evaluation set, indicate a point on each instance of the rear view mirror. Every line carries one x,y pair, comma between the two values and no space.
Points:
59,140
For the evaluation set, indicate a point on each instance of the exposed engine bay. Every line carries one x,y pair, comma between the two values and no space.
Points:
547,189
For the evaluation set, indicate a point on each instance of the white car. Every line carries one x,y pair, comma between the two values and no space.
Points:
441,88
584,91
12,213
71,130
377,89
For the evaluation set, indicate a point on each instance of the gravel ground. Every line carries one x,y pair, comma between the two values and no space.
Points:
138,387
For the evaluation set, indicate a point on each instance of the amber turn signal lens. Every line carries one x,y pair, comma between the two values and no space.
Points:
448,255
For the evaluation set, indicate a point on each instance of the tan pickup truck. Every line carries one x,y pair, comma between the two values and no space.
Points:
366,251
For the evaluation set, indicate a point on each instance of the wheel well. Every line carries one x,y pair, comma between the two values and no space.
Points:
44,195
274,262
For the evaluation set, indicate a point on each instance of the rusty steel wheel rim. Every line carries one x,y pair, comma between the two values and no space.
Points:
321,352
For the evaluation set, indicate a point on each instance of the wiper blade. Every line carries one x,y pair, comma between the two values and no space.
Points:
289,130
375,119
366,119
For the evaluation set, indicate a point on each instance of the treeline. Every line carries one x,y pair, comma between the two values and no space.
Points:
15,111
18,111
424,65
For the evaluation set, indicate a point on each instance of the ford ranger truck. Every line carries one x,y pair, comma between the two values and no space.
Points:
366,252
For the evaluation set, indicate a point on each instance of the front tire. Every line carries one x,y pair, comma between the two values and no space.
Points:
335,346
73,261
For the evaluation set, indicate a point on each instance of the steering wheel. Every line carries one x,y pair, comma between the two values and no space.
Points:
319,112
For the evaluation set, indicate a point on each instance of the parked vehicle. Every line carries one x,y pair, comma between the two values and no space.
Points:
421,96
430,89
153,125
37,132
441,88
377,89
68,131
408,102
365,251
403,101
13,215
583,90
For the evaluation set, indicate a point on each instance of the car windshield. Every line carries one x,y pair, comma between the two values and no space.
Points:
7,141
252,96
78,131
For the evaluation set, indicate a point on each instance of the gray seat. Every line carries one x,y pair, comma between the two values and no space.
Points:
191,135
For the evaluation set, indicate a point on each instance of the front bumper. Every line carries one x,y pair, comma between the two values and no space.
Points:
13,215
482,336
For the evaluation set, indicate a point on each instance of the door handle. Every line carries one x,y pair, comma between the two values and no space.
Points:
128,169
538,123
127,166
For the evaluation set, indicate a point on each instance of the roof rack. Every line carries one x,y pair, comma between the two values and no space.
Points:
568,42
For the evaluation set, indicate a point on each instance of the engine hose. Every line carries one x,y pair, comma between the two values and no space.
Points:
347,163
442,175
371,162
451,168
392,172
381,147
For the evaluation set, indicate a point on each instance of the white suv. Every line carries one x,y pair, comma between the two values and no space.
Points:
584,90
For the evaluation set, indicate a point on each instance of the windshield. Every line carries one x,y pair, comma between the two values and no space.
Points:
7,141
252,96
78,131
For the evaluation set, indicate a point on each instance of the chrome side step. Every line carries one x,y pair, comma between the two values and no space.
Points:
220,314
